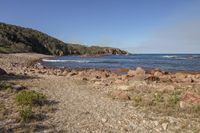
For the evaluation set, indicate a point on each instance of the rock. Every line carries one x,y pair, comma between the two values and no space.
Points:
104,120
65,73
183,104
85,79
152,78
72,73
98,77
139,71
189,99
180,76
18,87
2,72
118,81
124,87
165,125
118,94
156,123
158,74
131,73
124,77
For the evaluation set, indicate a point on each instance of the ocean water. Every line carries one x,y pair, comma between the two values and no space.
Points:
167,62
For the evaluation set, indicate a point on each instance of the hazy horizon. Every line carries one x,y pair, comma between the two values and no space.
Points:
136,26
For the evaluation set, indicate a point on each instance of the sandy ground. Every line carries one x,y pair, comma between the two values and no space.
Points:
86,107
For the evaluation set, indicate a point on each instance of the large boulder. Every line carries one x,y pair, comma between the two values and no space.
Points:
2,72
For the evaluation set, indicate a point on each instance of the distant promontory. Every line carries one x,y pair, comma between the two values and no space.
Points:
17,39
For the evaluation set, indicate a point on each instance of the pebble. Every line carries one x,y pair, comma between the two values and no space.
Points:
104,120
165,125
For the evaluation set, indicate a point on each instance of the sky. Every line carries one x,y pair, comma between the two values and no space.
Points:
138,26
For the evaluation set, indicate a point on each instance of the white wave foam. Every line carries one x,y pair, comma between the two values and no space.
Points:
169,56
79,61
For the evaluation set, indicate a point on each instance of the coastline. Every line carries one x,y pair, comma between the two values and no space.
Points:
94,95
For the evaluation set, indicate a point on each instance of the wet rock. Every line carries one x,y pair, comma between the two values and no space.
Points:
122,71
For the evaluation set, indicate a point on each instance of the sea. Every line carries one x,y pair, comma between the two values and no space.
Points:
166,62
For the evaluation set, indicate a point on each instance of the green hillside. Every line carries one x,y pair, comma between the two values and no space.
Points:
16,39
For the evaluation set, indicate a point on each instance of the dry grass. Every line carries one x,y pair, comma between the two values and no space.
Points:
163,102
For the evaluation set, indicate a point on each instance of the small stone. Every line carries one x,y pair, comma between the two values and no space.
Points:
104,120
118,94
124,87
156,123
84,79
165,125
18,87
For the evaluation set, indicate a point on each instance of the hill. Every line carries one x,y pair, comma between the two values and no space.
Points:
16,39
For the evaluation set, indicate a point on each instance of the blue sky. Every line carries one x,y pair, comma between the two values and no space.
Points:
139,26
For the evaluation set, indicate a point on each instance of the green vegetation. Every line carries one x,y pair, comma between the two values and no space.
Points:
26,113
16,39
5,86
30,98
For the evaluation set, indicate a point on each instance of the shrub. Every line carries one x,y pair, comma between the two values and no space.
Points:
26,113
158,97
5,86
137,100
174,98
29,97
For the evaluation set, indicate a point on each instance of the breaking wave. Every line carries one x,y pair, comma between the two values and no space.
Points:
78,61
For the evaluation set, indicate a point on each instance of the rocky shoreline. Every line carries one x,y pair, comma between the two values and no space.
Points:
151,92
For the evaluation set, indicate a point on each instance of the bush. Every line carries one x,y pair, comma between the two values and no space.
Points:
174,99
29,98
158,97
5,86
26,113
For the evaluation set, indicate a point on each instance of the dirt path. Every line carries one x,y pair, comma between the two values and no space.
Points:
81,108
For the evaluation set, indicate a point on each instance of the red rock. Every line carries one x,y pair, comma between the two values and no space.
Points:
118,81
191,98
